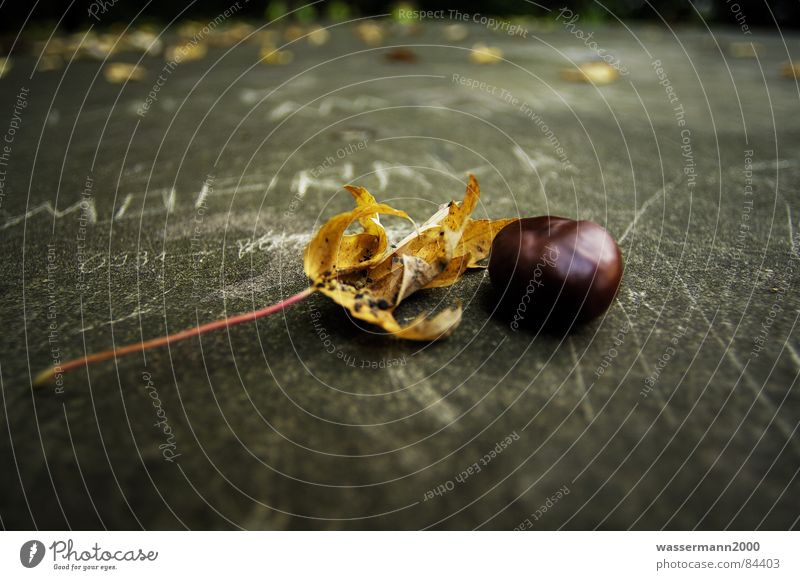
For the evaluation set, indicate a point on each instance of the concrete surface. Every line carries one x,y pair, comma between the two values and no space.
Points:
287,424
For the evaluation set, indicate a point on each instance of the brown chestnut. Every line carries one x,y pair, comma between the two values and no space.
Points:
554,271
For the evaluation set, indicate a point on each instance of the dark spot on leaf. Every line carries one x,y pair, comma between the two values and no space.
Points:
382,304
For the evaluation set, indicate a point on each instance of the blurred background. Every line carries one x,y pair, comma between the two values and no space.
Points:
170,161
722,12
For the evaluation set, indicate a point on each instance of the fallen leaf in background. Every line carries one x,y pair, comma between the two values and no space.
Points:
122,72
361,273
5,66
788,71
185,52
370,33
271,55
144,41
483,54
401,54
595,72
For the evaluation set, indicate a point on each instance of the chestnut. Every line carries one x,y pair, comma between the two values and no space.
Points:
554,271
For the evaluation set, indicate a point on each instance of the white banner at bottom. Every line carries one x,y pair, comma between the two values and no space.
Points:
400,555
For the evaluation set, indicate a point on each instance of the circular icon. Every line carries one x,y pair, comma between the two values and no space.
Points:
31,553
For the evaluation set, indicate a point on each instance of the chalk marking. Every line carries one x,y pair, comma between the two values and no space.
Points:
47,207
124,207
169,196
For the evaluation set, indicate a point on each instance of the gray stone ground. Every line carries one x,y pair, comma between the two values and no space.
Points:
276,427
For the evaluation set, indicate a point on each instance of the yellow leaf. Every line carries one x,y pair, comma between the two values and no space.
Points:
478,237
426,329
452,272
359,272
331,252
371,223
474,247
369,307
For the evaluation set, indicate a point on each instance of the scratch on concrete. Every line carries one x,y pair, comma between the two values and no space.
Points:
642,209
47,207
586,404
169,197
124,206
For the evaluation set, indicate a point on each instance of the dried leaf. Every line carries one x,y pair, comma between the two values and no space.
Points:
332,253
473,248
427,329
360,272
452,272
478,237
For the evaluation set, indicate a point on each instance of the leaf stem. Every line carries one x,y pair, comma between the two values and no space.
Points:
48,375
